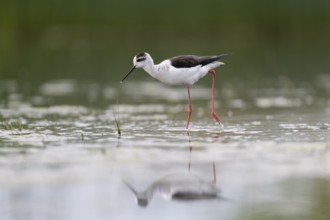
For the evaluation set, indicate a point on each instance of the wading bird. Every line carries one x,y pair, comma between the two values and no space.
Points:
180,70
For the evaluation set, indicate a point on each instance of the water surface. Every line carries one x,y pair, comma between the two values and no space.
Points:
61,156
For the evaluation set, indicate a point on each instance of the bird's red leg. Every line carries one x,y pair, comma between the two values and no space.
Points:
189,107
212,72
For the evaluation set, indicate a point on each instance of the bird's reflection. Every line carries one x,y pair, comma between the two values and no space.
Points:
180,186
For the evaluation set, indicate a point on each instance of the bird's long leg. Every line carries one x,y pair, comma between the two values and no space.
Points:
212,72
190,150
189,107
189,164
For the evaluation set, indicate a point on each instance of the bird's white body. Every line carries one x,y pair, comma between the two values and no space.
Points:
168,74
184,69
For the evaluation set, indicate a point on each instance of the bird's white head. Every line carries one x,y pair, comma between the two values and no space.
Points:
139,61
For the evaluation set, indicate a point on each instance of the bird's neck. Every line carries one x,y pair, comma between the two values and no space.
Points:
151,69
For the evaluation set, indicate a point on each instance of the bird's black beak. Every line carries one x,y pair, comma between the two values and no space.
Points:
133,68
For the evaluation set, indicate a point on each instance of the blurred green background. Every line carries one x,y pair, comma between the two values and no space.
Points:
96,40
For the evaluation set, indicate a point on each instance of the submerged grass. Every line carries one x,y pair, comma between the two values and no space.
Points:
13,125
118,126
117,122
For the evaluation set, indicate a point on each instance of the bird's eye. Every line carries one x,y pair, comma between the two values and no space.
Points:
140,59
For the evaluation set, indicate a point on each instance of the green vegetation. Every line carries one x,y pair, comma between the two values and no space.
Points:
43,40
118,127
13,125
117,122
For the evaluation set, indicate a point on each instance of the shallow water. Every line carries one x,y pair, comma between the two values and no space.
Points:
61,156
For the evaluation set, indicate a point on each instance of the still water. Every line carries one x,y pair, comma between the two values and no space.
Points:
61,156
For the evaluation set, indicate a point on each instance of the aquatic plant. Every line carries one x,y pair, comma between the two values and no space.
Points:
13,125
117,122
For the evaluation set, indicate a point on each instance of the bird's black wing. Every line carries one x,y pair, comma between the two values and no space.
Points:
186,61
